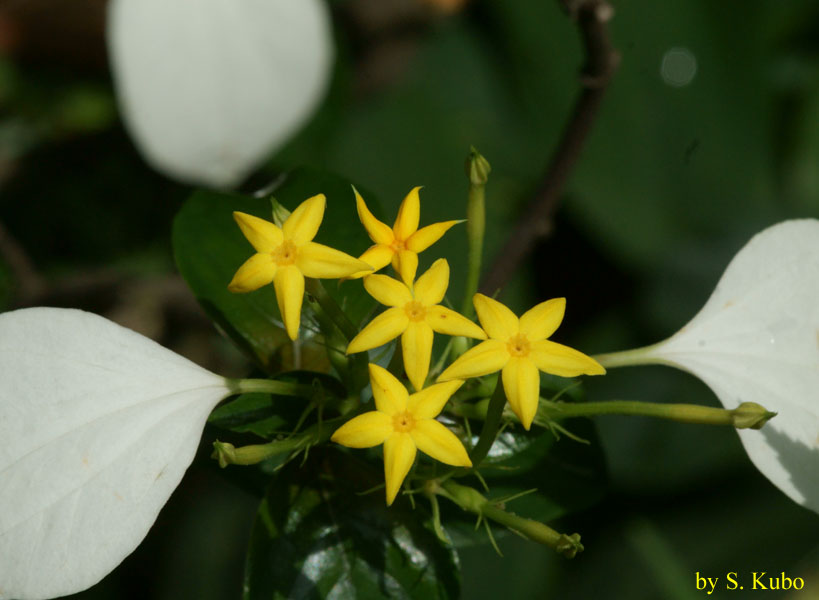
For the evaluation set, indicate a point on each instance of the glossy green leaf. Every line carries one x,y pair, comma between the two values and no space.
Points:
316,537
209,248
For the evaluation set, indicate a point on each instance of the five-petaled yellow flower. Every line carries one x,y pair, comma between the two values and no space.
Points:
414,314
286,256
404,423
401,244
520,348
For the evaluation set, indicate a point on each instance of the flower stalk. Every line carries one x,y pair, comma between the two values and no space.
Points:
269,386
477,170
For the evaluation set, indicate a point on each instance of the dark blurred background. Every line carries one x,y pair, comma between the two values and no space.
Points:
708,133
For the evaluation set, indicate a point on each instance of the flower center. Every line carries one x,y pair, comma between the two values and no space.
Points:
518,345
286,253
403,422
398,245
415,310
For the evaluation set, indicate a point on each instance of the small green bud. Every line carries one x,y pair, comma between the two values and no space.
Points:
477,167
280,213
569,545
227,454
750,415
224,452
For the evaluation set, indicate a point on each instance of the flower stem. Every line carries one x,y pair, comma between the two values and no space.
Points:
491,424
630,358
477,170
331,308
269,386
472,501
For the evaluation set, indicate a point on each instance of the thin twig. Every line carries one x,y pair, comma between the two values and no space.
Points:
592,17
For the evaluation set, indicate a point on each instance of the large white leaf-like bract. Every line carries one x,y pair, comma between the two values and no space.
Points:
757,340
208,88
97,426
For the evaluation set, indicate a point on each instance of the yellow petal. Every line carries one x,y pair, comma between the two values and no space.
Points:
416,342
289,284
364,431
263,235
387,291
487,357
426,236
563,361
399,454
303,223
387,326
405,264
541,321
521,382
323,262
408,215
258,270
447,321
432,438
379,232
431,286
377,257
390,394
497,320
429,402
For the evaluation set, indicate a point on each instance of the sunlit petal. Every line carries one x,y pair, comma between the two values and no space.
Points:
387,290
364,431
487,357
379,232
399,454
390,394
289,284
263,235
447,321
385,327
429,402
416,343
323,262
497,321
563,361
405,264
257,271
430,287
432,438
303,223
409,214
541,321
521,383
426,236
98,425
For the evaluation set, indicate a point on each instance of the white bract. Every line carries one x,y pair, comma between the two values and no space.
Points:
208,88
97,426
757,340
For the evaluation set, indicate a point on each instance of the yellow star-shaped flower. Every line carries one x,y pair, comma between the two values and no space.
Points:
401,244
414,314
404,423
287,255
520,348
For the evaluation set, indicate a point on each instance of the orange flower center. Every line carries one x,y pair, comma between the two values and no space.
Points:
286,253
403,422
398,245
415,310
518,345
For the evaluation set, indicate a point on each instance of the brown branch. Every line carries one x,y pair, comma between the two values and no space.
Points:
535,223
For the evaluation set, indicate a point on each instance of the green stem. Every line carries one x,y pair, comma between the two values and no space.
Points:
477,169
631,358
746,415
494,412
331,308
269,386
472,501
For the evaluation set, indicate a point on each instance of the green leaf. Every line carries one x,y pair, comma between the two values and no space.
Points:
209,248
314,537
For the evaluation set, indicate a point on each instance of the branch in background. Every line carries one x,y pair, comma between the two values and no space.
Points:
592,17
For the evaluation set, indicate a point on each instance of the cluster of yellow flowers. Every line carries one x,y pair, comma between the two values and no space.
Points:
403,422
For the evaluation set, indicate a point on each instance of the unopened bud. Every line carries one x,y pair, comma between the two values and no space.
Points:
477,167
280,213
750,415
227,454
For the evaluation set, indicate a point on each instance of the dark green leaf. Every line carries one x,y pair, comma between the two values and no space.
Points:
314,537
209,248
